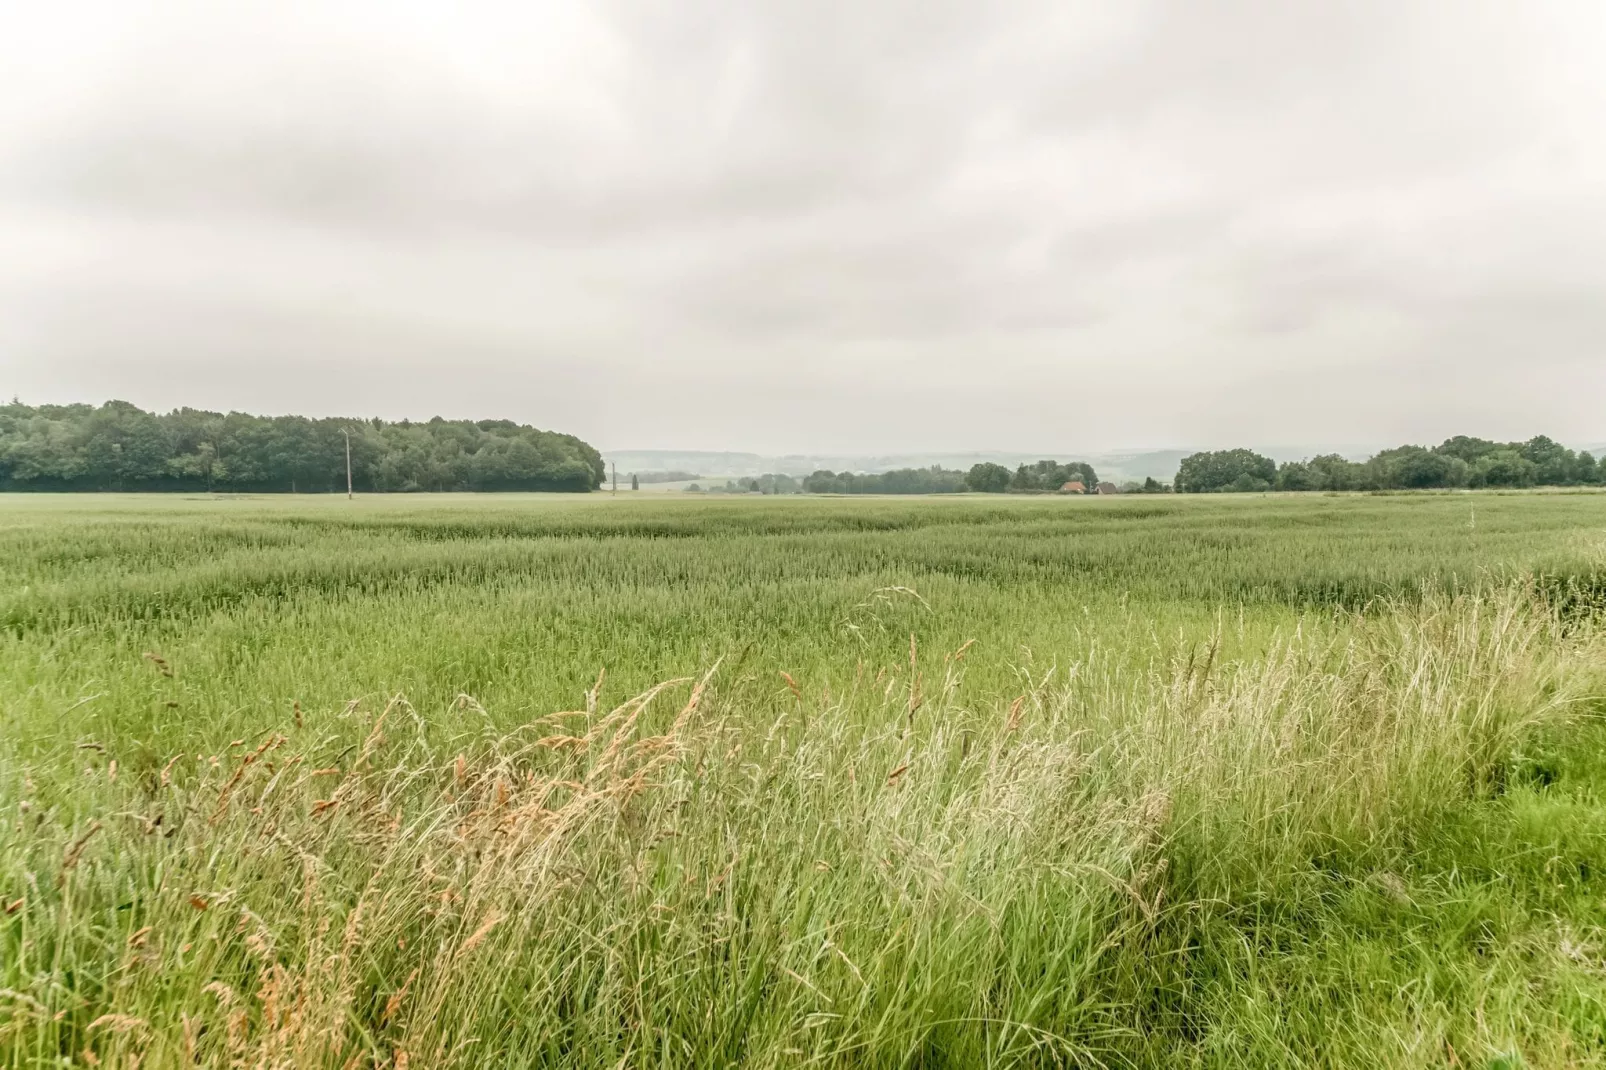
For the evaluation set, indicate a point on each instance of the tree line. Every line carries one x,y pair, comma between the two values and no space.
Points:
984,478
989,478
118,446
1457,462
670,476
933,480
768,483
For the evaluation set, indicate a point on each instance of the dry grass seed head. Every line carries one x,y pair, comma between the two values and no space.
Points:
76,850
119,1023
1012,722
477,937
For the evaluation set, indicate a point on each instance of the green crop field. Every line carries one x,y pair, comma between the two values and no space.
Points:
549,781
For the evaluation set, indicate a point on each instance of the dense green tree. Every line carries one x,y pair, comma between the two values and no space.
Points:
769,483
1297,475
778,483
1052,475
1330,471
933,480
1457,462
1555,464
1416,468
988,478
118,446
1226,470
1506,468
1076,470
1466,448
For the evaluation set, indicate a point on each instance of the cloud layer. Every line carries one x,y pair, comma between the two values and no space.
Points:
811,225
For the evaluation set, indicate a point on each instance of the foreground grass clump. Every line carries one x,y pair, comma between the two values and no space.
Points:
1373,840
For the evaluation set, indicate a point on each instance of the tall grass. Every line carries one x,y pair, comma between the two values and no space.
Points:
258,604
961,783
1149,861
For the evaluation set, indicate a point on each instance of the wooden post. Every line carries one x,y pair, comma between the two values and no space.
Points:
615,478
348,463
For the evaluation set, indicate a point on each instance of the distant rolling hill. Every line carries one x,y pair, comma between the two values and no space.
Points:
1136,464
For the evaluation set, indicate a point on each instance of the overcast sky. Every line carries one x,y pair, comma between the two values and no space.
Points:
803,225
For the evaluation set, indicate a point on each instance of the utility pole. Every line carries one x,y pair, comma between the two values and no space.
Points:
343,431
615,478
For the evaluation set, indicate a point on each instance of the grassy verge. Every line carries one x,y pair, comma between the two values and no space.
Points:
1374,842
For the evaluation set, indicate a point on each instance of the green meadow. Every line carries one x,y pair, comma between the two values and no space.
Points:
644,781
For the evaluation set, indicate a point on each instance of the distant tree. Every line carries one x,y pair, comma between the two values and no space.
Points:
1077,470
1048,475
1468,449
1248,484
1416,468
1555,464
822,481
988,478
934,480
1297,475
1153,486
777,483
1505,467
666,477
1333,472
118,446
1226,470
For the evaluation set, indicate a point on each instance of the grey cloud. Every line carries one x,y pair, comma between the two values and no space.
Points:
819,209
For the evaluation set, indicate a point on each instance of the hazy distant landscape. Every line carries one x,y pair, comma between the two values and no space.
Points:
1120,465
117,446
1160,464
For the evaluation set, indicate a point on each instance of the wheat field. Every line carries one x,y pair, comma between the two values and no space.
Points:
545,781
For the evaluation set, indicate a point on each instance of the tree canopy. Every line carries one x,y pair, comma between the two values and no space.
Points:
987,478
1052,475
1456,462
768,483
118,446
1220,470
933,480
